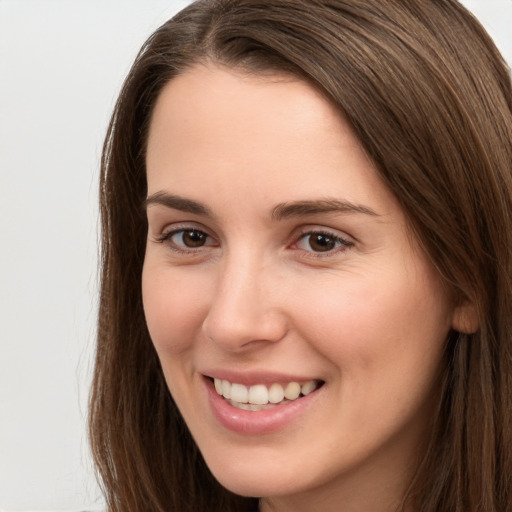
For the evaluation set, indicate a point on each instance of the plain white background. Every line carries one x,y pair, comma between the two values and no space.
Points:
62,63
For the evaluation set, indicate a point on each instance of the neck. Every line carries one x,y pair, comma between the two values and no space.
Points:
376,487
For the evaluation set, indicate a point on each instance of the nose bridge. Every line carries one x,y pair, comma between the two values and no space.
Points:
243,307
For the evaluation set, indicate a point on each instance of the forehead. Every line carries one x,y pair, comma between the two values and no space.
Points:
244,100
273,137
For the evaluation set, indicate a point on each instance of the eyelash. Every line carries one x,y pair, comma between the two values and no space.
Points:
165,238
340,244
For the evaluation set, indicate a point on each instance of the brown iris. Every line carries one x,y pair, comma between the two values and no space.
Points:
194,238
320,242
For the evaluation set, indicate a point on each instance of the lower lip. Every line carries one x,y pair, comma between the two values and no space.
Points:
258,422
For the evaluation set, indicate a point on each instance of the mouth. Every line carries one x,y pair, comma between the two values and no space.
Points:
260,397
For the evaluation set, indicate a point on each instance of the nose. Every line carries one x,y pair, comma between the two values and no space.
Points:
244,311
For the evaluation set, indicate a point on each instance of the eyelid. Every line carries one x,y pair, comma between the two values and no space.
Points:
166,234
174,227
169,234
342,239
345,241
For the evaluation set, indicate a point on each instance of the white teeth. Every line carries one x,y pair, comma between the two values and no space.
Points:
239,393
258,394
275,394
292,390
226,389
255,398
308,387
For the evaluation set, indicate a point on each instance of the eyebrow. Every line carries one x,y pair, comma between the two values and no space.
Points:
279,212
303,208
177,203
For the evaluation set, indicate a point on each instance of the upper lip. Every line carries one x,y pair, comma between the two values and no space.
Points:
253,377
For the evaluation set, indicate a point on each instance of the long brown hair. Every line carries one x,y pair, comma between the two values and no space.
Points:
430,98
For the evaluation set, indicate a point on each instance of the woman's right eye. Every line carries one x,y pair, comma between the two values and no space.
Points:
187,239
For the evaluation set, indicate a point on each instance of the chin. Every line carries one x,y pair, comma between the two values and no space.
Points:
260,478
251,485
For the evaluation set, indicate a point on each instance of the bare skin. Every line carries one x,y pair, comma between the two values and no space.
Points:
275,252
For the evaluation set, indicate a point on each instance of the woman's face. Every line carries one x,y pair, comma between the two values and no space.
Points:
277,263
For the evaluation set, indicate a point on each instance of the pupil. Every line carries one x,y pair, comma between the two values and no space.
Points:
193,238
322,243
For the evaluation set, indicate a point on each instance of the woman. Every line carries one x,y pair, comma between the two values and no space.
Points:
306,281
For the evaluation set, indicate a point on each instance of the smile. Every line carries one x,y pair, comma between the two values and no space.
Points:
260,397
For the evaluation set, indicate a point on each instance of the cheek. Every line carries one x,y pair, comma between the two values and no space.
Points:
376,327
173,307
385,345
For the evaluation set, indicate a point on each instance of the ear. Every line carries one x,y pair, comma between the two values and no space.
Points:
465,317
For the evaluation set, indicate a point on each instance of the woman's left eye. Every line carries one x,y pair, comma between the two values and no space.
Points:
321,242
